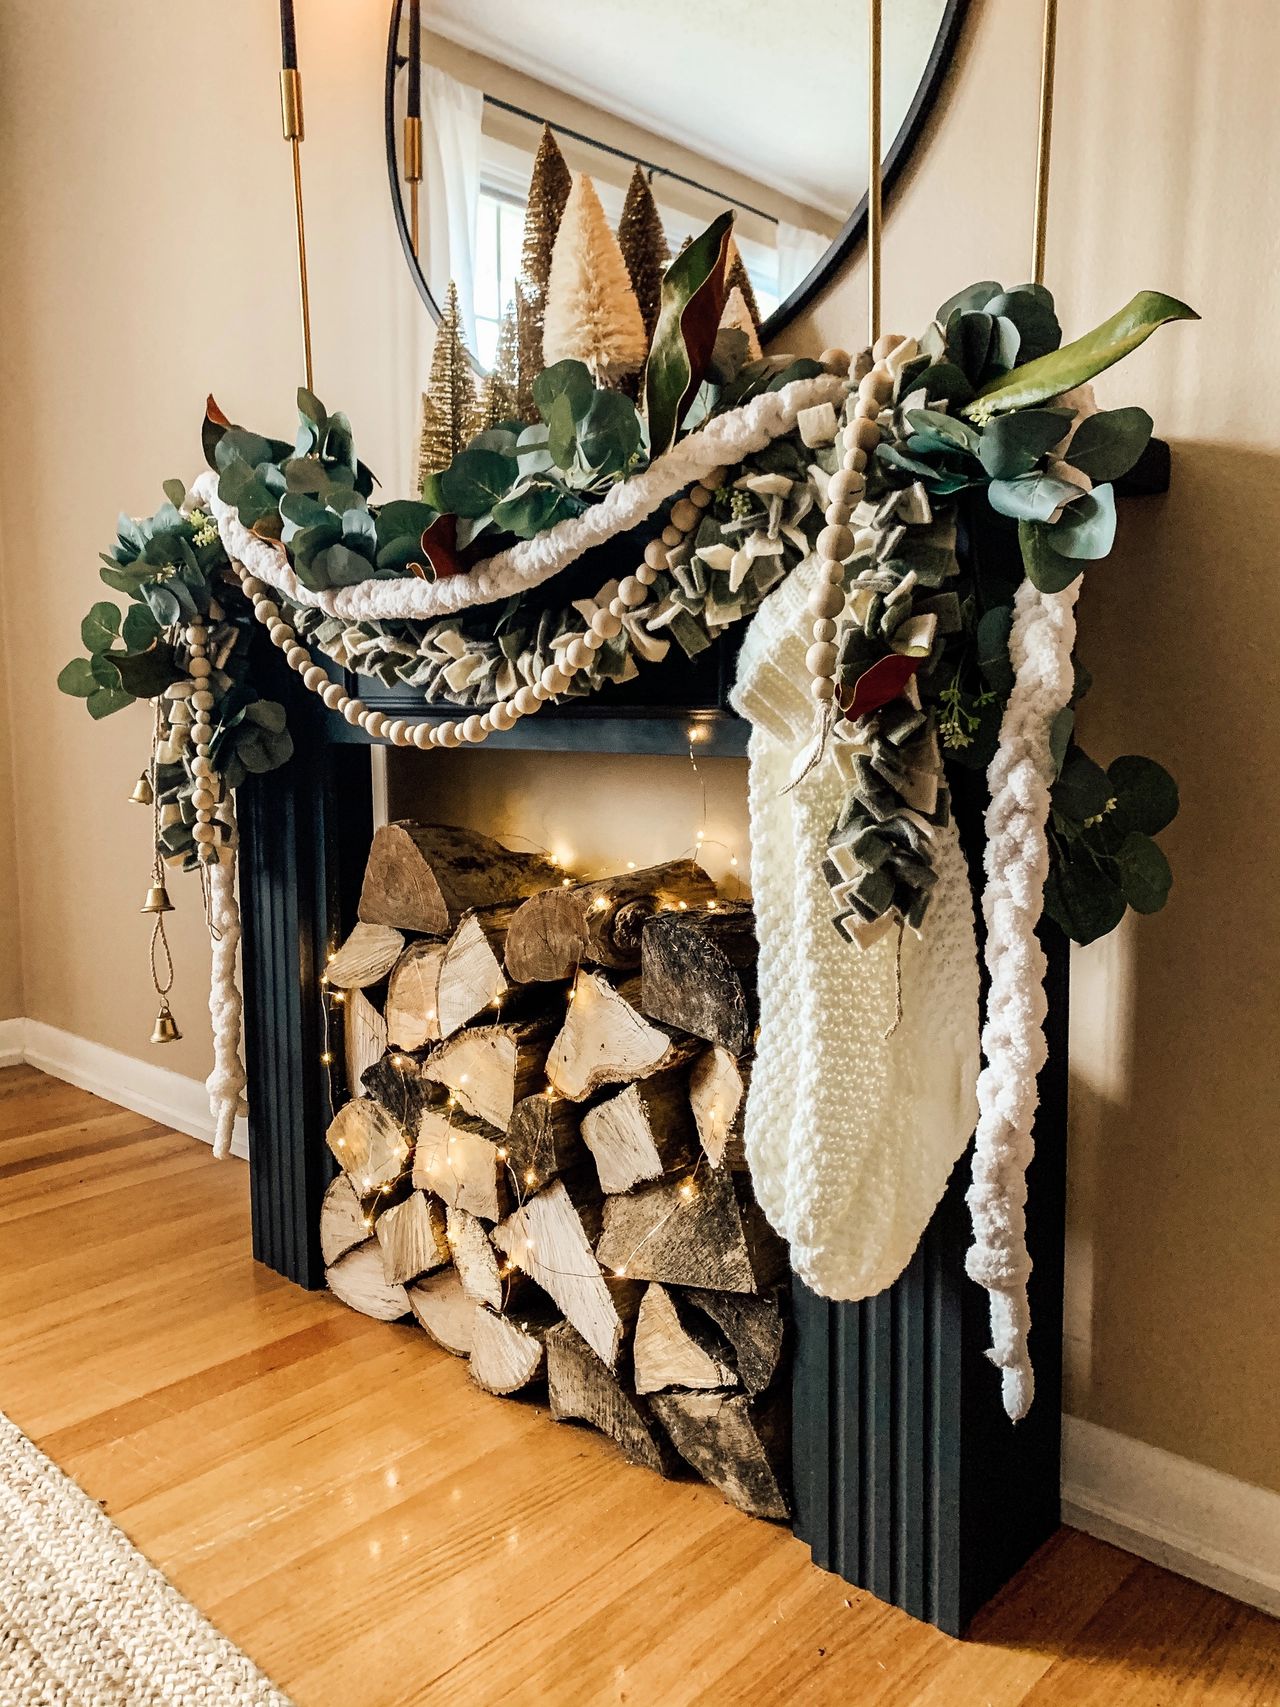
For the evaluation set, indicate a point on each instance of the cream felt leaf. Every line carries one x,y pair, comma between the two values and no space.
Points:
592,315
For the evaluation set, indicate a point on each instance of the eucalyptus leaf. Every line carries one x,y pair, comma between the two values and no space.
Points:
163,604
1106,445
1074,364
176,492
337,566
139,629
1087,527
1046,568
475,481
568,379
103,701
562,433
1083,788
1083,900
992,638
1146,795
1060,732
950,429
1031,310
1032,497
1145,876
609,433
972,297
1012,445
100,629
534,510
76,678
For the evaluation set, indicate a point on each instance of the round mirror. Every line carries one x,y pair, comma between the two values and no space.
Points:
746,106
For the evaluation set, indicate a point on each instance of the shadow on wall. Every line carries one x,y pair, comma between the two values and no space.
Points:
1175,1069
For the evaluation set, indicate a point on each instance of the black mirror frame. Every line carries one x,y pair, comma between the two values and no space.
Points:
852,233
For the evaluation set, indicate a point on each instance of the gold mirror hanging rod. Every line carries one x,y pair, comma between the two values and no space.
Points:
292,122
875,222
1048,55
413,174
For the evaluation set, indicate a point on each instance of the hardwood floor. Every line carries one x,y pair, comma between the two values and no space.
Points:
375,1532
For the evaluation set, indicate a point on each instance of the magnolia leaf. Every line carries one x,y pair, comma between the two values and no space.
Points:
101,627
440,546
77,678
1106,445
1087,527
1146,795
692,301
1083,900
1032,498
215,425
568,379
1046,568
1011,445
1077,363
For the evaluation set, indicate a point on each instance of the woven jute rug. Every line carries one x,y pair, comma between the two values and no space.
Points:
85,1620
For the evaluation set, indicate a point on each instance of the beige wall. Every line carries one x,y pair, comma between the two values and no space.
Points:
149,257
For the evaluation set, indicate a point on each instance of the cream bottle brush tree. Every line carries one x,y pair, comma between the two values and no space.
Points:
592,315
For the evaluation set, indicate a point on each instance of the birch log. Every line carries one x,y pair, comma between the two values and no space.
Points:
732,1443
357,1278
718,1088
444,1312
475,1259
754,1327
581,1388
698,974
412,1236
674,1347
605,1040
424,877
342,1220
598,924
365,957
506,1355
364,1035
412,1007
489,1068
714,1236
367,1144
456,1157
644,1132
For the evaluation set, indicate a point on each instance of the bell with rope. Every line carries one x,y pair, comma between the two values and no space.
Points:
157,900
143,794
165,1029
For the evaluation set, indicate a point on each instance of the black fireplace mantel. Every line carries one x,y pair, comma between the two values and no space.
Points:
909,1480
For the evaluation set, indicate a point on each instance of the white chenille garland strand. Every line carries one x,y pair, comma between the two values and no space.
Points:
1017,862
227,1080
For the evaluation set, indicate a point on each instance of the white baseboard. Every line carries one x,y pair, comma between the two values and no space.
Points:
1190,1519
144,1087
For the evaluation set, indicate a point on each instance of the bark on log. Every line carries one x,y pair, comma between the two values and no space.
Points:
413,997
698,973
506,1355
733,1443
445,1313
644,1132
358,1280
457,1157
718,1088
606,1041
412,1236
400,1084
598,924
546,1238
342,1220
675,1347
368,1144
714,1237
490,1068
582,1389
364,1036
475,1259
754,1327
424,877
544,1140
365,957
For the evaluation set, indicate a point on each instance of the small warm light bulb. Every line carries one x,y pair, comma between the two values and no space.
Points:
528,1244
711,906
339,995
686,1190
530,1178
327,1059
566,883
600,903
631,865
464,1078
502,1154
701,836
683,906
620,1273
733,859
368,1220
342,1143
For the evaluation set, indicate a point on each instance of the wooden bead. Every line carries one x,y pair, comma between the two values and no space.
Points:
199,667
353,711
867,412
204,832
578,655
875,388
835,544
593,640
631,592
832,573
824,629
822,688
422,733
252,587
202,701
837,514
861,435
886,344
202,800
541,692
606,624
655,553
645,575
526,701
670,536
201,767
825,600
373,723
852,483
333,696
821,658
554,679
473,729
281,634
683,515
699,496
836,360
617,608
447,735
314,678
266,610
297,658
503,715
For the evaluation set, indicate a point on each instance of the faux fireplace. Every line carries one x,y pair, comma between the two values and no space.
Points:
907,1478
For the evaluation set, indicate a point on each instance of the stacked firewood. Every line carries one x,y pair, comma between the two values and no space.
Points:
545,1167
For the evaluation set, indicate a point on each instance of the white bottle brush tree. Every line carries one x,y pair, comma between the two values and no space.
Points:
592,315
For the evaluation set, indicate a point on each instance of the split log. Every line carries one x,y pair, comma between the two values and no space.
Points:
413,997
365,957
706,1233
546,1238
753,1327
424,877
456,1157
644,1132
732,1443
506,1355
470,976
718,1096
673,1347
600,923
698,973
342,1220
490,1068
358,1280
444,1311
364,1036
582,1389
412,1236
400,1084
475,1259
544,1140
605,1041
368,1144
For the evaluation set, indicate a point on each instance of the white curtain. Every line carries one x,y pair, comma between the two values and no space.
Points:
452,115
799,251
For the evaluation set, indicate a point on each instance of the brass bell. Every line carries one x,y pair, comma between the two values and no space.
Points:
142,792
166,1027
157,900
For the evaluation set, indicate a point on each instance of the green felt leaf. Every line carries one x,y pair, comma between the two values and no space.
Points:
1046,568
690,306
1032,498
139,629
1106,445
475,481
1145,876
101,627
944,382
1083,788
1049,376
1146,795
568,379
1011,445
266,713
1087,528
1083,900
77,678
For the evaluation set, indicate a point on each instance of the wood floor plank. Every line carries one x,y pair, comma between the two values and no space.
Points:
344,1502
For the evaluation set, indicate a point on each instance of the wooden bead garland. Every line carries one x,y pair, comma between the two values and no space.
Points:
606,623
860,436
204,799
